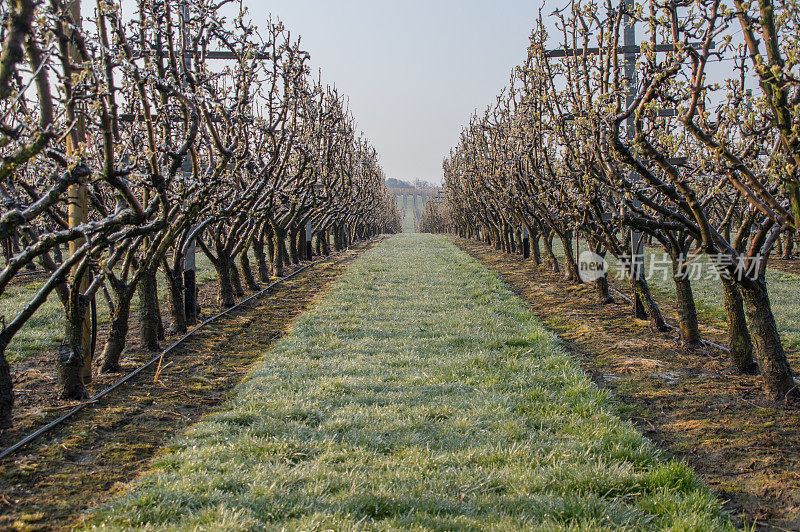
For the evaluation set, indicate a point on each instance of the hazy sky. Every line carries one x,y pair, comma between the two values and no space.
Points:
414,70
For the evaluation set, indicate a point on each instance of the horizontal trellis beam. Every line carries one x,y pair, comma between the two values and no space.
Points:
572,52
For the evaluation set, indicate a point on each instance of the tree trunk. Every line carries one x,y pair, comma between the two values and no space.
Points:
739,341
70,358
6,390
570,264
261,261
637,308
279,251
302,248
226,297
778,378
271,247
637,305
149,319
601,286
58,256
118,332
793,190
293,250
788,245
337,239
318,243
688,326
247,271
641,289
285,247
326,245
551,257
536,252
236,279
603,292
177,306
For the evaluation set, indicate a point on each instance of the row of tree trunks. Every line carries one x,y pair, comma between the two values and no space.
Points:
149,316
752,331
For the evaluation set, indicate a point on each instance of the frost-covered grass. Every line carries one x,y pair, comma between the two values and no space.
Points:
784,293
419,394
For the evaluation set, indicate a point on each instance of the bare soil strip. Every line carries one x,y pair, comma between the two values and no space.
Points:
83,463
786,265
747,450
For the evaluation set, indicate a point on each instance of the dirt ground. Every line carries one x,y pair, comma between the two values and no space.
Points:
47,485
689,404
788,266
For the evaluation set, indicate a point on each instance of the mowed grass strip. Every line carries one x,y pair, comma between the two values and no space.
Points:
419,394
410,215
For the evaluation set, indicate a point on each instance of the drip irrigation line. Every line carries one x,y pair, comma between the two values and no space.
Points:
626,298
31,273
720,347
50,426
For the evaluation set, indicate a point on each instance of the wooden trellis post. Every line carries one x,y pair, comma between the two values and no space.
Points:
309,235
189,262
526,243
78,203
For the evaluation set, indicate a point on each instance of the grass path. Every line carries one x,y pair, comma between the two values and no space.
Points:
409,215
419,394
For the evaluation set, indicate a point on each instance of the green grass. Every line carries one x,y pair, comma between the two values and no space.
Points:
784,293
45,328
419,394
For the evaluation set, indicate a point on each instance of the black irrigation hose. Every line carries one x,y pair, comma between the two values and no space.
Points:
28,274
50,426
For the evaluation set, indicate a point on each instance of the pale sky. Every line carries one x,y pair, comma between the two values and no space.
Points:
414,70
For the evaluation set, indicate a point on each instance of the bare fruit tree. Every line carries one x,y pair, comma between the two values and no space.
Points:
673,147
174,124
